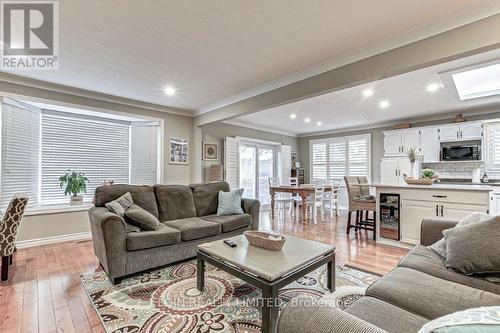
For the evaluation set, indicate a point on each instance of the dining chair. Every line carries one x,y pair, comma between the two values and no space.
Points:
9,228
281,199
359,202
332,197
315,201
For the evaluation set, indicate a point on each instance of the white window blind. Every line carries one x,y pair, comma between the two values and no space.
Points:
492,156
318,160
99,148
144,154
345,156
20,153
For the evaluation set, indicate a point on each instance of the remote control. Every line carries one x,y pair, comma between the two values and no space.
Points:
230,243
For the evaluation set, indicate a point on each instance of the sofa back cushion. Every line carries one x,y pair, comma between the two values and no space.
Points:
142,195
206,197
175,202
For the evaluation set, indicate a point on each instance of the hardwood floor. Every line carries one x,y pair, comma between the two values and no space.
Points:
44,293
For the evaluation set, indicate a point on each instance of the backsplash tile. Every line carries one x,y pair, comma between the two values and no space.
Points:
454,170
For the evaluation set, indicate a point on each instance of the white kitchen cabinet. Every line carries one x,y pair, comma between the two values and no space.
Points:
456,212
412,214
429,144
471,131
410,139
400,141
461,132
495,201
392,170
392,143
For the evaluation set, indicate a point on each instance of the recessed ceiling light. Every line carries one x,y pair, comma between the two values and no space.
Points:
368,92
319,123
169,91
293,116
432,87
384,104
307,120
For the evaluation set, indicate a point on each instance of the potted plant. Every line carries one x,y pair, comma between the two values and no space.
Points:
75,183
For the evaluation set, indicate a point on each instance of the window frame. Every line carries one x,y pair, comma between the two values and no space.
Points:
345,140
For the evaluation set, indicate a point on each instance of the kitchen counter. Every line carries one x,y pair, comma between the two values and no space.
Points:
437,186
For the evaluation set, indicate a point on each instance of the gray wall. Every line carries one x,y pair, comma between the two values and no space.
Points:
216,132
377,141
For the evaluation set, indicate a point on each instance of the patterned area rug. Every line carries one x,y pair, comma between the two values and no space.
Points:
167,300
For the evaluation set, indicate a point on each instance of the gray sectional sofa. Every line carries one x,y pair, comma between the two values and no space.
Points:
418,290
188,218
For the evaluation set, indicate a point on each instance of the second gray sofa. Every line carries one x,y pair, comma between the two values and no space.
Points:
418,290
188,216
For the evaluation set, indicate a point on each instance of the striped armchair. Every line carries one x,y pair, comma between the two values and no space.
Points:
8,232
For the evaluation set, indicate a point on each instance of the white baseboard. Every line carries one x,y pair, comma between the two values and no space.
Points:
52,240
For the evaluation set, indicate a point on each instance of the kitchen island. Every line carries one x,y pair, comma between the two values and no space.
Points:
401,208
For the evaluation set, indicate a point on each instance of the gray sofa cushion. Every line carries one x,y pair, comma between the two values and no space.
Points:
426,260
120,205
174,202
473,249
142,218
230,222
143,196
383,314
148,239
428,296
195,228
206,197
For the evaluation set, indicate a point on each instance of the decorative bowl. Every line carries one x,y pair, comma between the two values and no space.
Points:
420,181
265,240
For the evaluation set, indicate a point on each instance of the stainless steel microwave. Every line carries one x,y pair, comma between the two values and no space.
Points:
461,152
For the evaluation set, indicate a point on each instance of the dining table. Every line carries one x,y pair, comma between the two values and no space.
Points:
304,191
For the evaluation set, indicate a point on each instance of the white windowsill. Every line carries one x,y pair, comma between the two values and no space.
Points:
57,209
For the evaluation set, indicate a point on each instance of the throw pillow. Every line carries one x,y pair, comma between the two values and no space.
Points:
474,249
120,205
230,202
476,320
142,218
440,246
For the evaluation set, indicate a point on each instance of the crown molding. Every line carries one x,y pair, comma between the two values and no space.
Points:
57,88
240,123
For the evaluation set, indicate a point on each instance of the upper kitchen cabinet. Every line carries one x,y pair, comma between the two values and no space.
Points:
429,144
398,142
461,132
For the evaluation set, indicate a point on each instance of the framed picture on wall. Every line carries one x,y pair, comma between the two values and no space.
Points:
179,151
210,151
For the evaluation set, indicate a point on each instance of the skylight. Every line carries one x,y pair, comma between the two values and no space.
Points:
479,82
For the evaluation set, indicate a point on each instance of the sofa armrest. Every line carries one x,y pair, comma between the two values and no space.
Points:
432,230
252,207
110,240
310,317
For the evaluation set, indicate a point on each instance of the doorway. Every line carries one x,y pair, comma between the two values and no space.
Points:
257,162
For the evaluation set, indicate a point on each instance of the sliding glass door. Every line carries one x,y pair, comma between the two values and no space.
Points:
256,165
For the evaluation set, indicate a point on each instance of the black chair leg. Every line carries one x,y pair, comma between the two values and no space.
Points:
357,220
348,222
5,269
374,225
10,260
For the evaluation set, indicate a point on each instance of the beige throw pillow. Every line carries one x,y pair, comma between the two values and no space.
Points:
474,249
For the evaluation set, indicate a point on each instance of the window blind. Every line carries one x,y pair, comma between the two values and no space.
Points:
319,160
492,164
344,156
99,148
144,154
20,153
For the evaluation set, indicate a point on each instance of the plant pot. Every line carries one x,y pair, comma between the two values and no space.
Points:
76,201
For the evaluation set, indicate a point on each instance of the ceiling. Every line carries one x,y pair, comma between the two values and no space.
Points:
348,108
212,50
